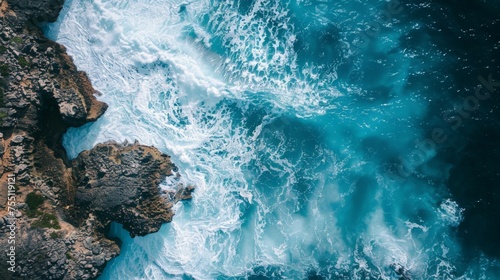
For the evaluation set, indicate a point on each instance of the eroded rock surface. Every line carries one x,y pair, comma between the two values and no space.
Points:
120,183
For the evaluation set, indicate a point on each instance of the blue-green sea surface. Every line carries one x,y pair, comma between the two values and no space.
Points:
298,129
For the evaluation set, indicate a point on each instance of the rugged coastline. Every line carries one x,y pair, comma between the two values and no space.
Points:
62,209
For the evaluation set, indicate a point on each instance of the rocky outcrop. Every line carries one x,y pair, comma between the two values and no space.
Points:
112,183
120,183
58,211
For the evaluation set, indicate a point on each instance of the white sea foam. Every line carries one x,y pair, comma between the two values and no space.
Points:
255,203
450,212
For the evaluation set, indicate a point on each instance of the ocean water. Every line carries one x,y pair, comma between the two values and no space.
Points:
304,125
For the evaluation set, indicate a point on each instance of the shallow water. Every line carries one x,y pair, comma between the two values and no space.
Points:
292,129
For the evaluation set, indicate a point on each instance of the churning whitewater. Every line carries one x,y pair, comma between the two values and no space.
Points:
268,107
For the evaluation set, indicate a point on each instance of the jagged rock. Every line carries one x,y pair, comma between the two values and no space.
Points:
120,183
187,193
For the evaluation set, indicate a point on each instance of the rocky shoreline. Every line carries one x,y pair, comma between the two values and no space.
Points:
63,209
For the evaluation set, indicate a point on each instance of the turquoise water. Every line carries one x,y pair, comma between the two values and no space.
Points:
292,129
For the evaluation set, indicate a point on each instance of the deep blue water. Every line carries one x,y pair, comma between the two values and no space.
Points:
328,139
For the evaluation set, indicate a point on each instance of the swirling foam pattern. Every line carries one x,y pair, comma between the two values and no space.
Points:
288,157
